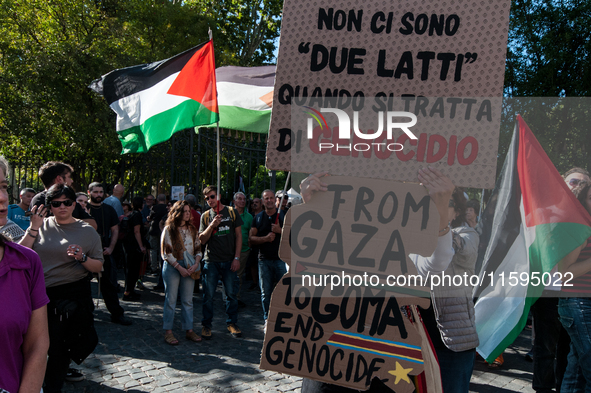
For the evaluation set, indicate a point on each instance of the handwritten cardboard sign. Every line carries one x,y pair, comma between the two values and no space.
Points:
442,61
350,334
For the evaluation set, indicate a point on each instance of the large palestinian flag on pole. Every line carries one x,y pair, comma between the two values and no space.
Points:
531,222
245,97
153,101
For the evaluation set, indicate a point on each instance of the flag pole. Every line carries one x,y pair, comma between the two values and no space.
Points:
219,162
219,165
283,196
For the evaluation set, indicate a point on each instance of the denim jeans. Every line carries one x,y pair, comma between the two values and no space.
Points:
575,316
173,281
211,274
270,272
155,260
546,331
456,369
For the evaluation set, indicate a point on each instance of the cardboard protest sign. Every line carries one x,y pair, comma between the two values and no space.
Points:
349,334
442,61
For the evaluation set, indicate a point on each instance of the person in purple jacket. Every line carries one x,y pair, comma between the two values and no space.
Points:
24,337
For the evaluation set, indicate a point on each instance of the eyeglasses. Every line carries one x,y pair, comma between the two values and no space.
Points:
211,197
574,182
56,204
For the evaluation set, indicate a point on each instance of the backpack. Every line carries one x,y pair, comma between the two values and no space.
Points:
207,215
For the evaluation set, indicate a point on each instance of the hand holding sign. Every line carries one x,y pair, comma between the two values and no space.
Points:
440,189
361,229
312,183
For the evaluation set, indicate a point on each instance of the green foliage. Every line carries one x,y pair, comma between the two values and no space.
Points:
247,29
549,56
50,51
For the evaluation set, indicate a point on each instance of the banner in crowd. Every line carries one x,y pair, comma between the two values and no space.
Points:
441,61
347,333
245,97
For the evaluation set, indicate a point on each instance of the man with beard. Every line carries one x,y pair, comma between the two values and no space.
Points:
108,229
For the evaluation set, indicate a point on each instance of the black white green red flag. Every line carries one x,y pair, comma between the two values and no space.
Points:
531,222
153,101
245,97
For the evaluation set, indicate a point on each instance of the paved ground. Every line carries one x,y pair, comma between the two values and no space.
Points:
136,358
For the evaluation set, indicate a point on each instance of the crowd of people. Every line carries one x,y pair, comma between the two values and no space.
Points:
87,235
53,243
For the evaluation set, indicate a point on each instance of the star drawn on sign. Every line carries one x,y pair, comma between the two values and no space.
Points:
400,373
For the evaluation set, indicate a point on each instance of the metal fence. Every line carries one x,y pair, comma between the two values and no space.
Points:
187,159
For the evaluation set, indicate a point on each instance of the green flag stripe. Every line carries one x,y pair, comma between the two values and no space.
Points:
553,242
159,128
513,334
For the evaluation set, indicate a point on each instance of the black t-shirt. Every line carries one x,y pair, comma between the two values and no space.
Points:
221,246
78,213
262,222
157,212
135,219
105,217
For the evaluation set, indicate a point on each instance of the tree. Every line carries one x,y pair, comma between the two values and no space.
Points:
549,56
50,51
247,29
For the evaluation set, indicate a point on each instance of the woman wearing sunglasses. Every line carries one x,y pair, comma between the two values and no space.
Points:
69,249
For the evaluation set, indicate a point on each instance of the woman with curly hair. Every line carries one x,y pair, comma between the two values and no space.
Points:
181,250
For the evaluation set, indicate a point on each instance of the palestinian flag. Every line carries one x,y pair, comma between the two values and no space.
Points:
245,97
531,222
153,101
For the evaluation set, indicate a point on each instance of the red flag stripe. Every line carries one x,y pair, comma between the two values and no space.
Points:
546,197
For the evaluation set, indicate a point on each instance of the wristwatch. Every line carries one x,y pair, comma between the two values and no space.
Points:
84,258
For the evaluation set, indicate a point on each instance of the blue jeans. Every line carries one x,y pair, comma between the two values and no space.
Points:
211,274
173,281
270,272
456,369
575,316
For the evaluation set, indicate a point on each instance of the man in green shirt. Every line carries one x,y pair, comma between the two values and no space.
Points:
240,205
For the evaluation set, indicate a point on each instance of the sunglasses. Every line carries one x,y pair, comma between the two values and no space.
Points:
67,203
211,197
574,182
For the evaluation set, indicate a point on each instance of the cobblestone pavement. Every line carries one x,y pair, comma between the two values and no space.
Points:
136,358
